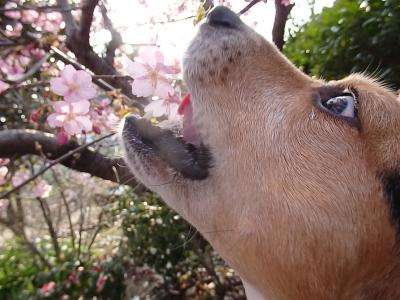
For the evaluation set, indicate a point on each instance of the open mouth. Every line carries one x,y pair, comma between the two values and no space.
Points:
181,149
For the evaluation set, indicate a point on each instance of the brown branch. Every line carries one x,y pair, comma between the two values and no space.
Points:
32,71
53,234
77,40
281,16
248,6
18,142
86,20
116,38
70,25
67,210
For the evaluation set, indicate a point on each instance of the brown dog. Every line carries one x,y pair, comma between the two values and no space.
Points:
294,181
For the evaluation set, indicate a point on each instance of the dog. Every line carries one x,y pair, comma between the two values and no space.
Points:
294,181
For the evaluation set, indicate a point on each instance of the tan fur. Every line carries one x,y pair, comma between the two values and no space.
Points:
293,201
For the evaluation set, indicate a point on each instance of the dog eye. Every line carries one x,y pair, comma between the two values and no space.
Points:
340,104
343,105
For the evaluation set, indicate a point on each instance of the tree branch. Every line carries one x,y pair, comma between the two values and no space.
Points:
250,5
116,38
281,16
77,40
70,25
19,142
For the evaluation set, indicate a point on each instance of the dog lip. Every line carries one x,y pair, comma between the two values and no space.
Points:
141,137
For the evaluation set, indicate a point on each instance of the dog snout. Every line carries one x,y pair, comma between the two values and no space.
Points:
223,16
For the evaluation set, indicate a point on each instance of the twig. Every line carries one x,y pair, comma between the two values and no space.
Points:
80,232
116,38
248,6
70,24
65,202
24,86
112,77
281,16
47,217
167,22
87,19
57,161
98,229
32,71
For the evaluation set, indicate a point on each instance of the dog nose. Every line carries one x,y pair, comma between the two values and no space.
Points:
223,16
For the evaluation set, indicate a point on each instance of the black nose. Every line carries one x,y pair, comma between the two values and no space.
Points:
223,16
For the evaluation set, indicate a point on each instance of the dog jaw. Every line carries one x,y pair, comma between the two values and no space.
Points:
294,199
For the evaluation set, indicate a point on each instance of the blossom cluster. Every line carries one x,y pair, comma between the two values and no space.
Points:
74,114
40,189
153,75
43,21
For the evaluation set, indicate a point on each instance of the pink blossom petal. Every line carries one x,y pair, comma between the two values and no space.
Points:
155,108
42,189
4,203
58,86
72,97
151,56
12,14
68,74
83,78
81,107
85,123
62,137
61,107
3,86
163,88
72,127
137,69
172,111
143,87
56,120
87,92
19,177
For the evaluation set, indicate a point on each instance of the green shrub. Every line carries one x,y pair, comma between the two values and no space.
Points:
352,36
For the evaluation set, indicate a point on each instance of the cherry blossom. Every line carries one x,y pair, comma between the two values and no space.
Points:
50,21
29,16
73,85
149,72
285,2
19,177
101,281
12,14
73,278
71,117
11,67
161,107
4,161
15,30
42,189
62,137
4,203
104,118
3,86
3,174
48,288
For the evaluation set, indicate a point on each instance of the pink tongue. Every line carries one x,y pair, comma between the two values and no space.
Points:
189,131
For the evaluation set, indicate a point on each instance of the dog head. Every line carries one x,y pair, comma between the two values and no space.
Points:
292,180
